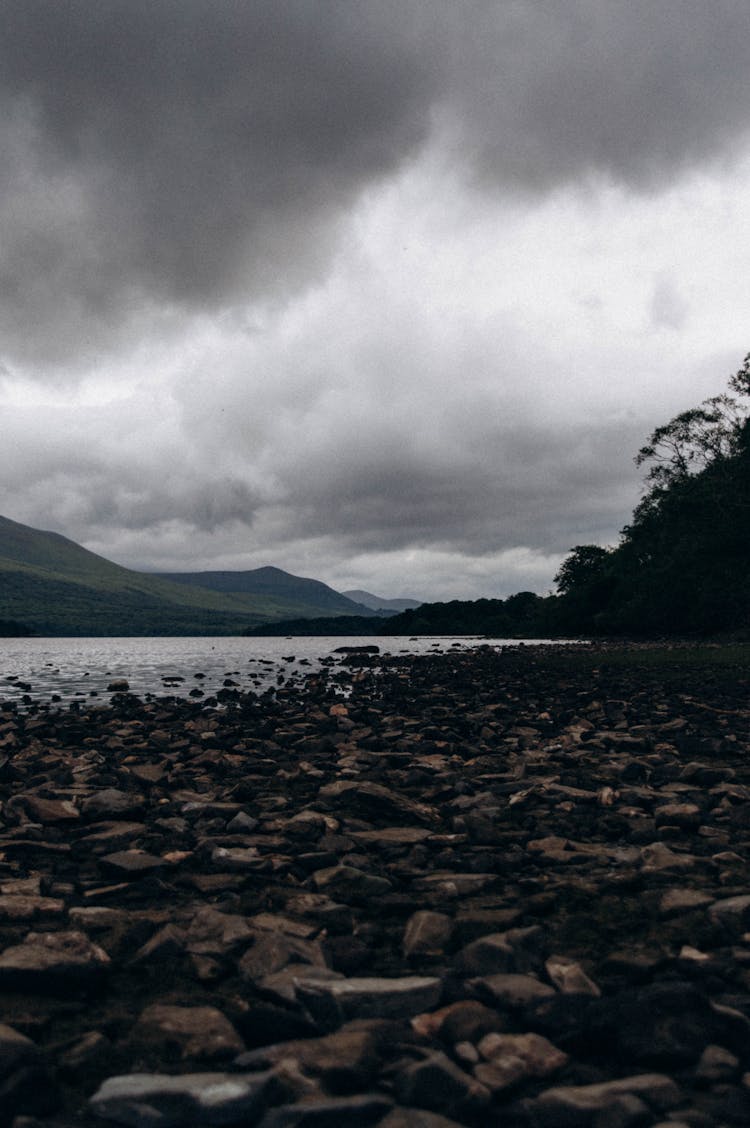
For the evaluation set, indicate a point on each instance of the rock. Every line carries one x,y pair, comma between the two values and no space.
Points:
349,883
153,1100
378,800
464,1021
341,1112
575,1106
513,951
515,991
334,1002
427,933
49,811
17,907
112,803
197,1032
213,933
53,961
437,1083
674,902
514,1058
416,1118
732,913
272,952
569,977
717,1064
25,1083
132,863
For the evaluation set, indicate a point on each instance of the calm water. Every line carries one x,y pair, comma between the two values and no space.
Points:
68,669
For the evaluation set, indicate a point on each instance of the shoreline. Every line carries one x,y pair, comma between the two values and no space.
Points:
469,885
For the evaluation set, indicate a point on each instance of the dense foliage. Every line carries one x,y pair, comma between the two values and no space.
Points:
681,566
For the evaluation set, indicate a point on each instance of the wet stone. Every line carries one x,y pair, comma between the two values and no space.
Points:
152,1100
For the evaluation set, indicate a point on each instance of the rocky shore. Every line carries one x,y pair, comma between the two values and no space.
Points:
490,887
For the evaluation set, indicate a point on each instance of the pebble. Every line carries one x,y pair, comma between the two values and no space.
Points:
498,886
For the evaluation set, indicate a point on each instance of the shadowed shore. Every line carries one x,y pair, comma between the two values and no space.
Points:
496,886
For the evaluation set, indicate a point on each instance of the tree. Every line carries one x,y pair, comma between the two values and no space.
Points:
585,564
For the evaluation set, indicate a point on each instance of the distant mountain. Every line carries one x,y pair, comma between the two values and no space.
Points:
377,603
274,583
53,586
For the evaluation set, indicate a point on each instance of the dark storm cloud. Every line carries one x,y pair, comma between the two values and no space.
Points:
195,152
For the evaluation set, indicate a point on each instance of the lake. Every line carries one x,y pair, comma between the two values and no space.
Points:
62,670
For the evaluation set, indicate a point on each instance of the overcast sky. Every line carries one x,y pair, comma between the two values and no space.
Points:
384,292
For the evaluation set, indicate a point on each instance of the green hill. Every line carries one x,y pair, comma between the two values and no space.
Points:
56,587
275,584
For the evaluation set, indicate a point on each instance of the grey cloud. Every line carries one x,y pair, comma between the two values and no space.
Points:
192,153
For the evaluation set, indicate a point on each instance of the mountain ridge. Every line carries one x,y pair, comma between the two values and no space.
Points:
54,586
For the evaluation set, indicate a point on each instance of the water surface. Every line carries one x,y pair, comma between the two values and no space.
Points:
67,669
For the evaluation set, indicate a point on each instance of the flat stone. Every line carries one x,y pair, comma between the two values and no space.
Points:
154,1100
133,863
658,857
571,1106
350,883
111,802
50,811
513,990
336,1001
393,835
416,1118
199,1032
52,960
17,907
675,902
237,858
373,797
343,1112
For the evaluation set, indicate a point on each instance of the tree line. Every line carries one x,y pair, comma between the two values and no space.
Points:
681,564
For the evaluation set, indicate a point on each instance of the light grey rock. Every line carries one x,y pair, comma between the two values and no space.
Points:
154,1100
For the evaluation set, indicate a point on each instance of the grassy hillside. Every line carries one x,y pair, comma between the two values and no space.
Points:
275,584
57,587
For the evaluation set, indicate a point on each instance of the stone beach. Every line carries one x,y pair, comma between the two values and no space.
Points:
498,886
